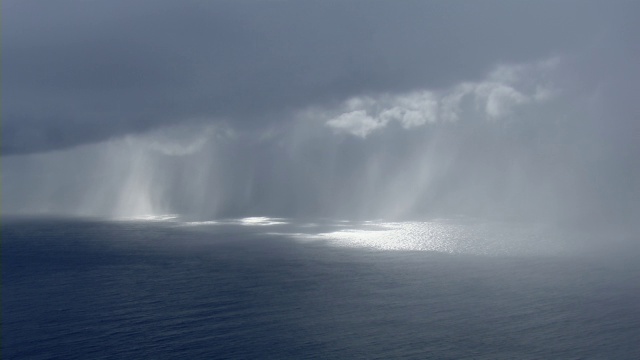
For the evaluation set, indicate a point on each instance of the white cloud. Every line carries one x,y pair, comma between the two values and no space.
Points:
357,123
499,99
496,97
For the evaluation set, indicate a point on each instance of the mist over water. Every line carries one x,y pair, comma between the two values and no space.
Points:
515,145
398,111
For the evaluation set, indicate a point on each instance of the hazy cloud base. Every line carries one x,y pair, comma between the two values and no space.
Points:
353,109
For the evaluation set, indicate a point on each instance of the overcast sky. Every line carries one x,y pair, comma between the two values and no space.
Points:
315,76
82,71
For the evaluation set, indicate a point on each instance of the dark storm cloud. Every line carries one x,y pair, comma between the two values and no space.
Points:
78,72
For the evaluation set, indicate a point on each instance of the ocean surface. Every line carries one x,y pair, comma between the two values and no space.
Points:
262,288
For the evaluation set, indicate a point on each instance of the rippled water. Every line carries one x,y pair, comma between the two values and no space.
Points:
277,288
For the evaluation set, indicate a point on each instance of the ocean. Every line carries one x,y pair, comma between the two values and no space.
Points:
262,288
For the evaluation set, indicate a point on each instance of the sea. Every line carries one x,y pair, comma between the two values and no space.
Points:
166,287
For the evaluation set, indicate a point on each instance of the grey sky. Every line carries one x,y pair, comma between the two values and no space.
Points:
77,72
334,108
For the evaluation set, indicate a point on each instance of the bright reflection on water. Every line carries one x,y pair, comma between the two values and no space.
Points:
445,236
454,236
262,221
248,221
149,217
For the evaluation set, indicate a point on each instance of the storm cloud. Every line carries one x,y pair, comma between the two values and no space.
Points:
77,72
333,108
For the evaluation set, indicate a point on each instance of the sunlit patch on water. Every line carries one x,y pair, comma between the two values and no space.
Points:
455,236
443,236
262,221
247,221
395,236
150,217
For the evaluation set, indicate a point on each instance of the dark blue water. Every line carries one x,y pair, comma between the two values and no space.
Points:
76,289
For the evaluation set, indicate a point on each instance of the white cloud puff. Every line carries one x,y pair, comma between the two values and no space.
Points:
357,123
496,97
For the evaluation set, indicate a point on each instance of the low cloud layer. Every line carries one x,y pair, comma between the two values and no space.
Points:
82,72
497,96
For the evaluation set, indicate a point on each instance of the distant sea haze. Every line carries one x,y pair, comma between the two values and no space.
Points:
265,288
